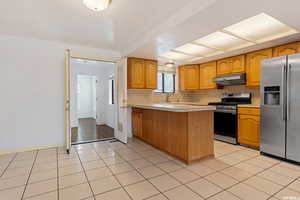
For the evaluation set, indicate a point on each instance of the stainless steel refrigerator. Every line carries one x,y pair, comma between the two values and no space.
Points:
280,107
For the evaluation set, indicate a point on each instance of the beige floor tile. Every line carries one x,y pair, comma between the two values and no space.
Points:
275,177
131,156
184,175
164,182
204,188
104,185
295,186
71,180
259,163
287,194
290,166
148,153
98,173
73,169
120,168
249,168
221,180
114,160
93,164
141,190
141,163
21,163
224,196
150,172
40,188
200,169
107,154
157,159
71,162
248,193
182,193
129,177
169,166
215,164
286,171
234,158
44,175
46,196
158,197
77,192
263,185
9,173
118,194
13,182
44,167
12,194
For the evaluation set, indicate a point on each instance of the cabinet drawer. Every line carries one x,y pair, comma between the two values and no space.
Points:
249,111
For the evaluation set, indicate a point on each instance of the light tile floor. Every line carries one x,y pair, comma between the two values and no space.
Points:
136,171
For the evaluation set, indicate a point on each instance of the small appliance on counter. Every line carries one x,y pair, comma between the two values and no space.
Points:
280,107
225,116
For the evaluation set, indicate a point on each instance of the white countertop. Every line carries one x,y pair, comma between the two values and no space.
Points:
174,107
248,106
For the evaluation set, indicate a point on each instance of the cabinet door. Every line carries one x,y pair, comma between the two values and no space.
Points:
136,73
249,130
137,123
181,78
238,64
224,66
151,74
208,71
147,121
253,61
287,49
191,77
160,129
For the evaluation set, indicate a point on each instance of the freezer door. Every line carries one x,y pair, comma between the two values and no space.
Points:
293,108
272,134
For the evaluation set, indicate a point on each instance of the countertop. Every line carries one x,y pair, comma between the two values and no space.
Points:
175,107
248,106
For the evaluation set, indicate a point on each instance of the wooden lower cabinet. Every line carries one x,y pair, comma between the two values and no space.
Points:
249,127
185,135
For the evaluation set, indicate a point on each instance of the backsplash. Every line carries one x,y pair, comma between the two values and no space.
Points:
202,97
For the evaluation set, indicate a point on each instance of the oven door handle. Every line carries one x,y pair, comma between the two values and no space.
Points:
226,111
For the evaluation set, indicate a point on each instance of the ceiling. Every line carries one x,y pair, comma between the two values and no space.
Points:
139,28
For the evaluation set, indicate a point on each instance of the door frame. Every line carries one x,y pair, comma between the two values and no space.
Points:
67,76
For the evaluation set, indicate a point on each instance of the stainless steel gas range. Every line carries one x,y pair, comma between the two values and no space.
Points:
225,116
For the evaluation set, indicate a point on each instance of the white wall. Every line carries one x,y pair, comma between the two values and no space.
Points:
32,91
102,71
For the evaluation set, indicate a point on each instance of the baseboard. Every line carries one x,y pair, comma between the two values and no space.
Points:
31,149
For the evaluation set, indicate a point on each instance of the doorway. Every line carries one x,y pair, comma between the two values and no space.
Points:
92,108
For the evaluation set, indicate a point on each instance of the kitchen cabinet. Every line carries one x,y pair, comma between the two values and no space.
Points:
253,66
189,77
231,65
224,66
208,71
141,73
137,122
286,49
249,126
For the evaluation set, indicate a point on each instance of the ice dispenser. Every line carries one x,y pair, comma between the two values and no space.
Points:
272,95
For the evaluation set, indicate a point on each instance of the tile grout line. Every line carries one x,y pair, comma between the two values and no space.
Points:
9,163
27,182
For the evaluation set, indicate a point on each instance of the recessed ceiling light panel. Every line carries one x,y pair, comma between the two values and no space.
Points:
223,41
261,28
176,56
195,49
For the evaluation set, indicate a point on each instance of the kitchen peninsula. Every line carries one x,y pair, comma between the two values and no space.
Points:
183,131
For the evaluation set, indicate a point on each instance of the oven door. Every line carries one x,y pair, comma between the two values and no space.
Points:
225,125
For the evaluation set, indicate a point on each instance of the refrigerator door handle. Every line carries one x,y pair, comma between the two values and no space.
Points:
288,93
283,93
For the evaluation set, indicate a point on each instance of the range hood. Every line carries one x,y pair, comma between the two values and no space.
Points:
233,79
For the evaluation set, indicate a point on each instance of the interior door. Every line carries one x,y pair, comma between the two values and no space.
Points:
272,138
121,126
67,101
293,108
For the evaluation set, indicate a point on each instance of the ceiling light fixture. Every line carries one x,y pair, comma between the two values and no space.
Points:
97,5
169,64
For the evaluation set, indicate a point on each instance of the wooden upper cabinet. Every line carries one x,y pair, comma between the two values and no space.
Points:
224,66
208,71
191,77
286,49
253,66
238,64
151,74
141,73
181,78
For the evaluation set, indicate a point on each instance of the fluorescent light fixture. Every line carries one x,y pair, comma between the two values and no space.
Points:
223,41
195,59
176,56
261,28
195,49
97,5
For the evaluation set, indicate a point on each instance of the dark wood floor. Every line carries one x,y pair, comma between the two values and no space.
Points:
88,130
